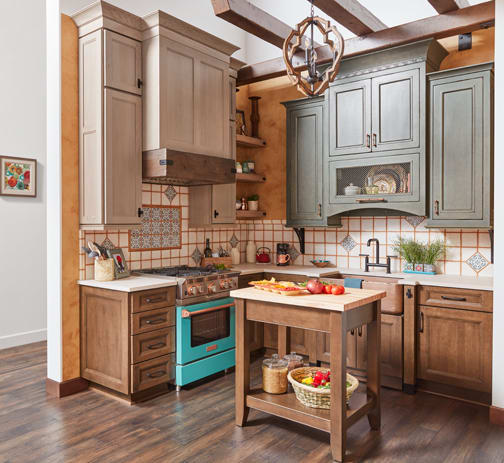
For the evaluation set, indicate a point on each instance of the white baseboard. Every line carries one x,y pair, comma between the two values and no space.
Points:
20,339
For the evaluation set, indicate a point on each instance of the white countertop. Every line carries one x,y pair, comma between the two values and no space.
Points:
352,298
131,284
447,281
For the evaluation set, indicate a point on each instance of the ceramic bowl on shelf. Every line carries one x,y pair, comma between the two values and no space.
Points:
320,262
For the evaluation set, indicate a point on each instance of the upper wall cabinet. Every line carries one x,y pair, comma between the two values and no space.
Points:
123,63
186,88
461,121
377,114
110,118
305,150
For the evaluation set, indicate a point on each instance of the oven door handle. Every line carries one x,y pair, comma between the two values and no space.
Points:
187,314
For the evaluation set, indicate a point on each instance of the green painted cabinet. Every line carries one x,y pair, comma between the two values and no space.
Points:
461,121
306,142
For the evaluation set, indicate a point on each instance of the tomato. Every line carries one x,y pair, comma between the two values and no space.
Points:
327,289
337,290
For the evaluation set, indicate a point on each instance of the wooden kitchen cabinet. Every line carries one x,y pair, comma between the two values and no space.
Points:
123,63
455,348
127,340
306,142
461,133
110,118
186,87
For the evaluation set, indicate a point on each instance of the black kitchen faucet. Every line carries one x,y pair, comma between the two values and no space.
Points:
377,263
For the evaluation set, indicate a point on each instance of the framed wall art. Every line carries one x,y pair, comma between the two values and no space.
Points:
18,176
120,267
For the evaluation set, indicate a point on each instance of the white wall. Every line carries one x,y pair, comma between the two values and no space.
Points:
498,314
199,13
23,133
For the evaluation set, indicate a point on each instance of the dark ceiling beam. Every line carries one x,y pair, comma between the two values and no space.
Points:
445,6
352,15
440,26
257,22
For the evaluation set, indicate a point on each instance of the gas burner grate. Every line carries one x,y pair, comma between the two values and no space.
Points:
182,271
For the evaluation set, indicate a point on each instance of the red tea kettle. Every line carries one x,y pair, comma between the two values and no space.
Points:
263,257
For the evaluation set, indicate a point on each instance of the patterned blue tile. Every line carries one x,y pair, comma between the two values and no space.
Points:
348,243
196,256
161,229
414,220
234,241
107,244
477,262
293,253
170,193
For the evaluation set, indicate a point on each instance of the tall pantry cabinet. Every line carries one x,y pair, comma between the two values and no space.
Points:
110,118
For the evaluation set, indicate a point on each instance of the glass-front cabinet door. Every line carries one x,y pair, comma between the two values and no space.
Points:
392,182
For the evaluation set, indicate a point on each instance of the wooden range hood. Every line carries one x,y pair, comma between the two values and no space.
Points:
170,167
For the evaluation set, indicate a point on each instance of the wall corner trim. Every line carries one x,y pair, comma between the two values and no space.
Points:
66,388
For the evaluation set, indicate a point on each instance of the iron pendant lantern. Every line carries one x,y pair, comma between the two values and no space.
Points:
314,82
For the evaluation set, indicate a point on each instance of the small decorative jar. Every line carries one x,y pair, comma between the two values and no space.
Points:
352,190
245,167
409,266
419,267
239,169
251,166
274,375
430,268
293,361
104,269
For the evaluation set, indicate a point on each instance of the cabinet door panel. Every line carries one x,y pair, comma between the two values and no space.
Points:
123,63
123,157
304,163
224,203
455,347
396,111
457,150
212,113
177,95
323,348
350,118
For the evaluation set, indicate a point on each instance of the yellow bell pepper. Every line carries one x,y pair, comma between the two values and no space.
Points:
307,380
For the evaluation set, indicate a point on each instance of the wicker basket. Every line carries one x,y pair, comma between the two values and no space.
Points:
312,396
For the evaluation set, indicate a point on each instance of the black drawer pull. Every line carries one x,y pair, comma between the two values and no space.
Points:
156,321
156,374
454,298
359,331
156,299
352,332
421,322
157,345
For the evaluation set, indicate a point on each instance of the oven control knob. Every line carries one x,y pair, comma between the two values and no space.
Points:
201,289
212,288
224,284
193,291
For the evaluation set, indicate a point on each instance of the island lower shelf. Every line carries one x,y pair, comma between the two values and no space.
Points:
289,407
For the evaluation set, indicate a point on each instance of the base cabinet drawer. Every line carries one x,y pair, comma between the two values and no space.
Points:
151,320
152,344
455,298
455,347
153,299
147,374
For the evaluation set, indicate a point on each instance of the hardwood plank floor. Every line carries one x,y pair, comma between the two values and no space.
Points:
197,425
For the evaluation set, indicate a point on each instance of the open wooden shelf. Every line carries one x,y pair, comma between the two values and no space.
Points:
287,406
250,142
250,178
250,214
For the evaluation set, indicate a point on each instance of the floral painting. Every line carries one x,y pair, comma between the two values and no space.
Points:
18,176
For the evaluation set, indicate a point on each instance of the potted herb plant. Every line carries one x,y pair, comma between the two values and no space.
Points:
412,252
433,252
253,202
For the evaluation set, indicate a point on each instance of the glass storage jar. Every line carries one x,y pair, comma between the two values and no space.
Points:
293,361
274,375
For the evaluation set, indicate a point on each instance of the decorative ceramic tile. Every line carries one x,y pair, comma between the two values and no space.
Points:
161,229
477,262
414,220
348,243
107,244
293,253
170,193
234,241
196,256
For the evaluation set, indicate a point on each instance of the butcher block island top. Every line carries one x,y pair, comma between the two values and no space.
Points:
351,299
335,315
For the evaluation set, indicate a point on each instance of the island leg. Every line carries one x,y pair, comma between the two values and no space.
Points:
338,385
242,380
373,365
283,340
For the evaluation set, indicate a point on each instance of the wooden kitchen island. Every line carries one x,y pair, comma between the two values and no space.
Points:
335,315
